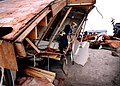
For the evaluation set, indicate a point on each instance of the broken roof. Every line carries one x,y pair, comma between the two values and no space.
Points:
16,13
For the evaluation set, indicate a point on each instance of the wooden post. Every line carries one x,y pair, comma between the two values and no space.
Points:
60,26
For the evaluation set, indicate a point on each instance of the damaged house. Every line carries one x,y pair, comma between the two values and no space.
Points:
29,31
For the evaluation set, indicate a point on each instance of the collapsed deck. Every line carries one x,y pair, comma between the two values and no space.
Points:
35,24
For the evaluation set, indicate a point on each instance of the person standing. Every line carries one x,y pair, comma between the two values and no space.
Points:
63,41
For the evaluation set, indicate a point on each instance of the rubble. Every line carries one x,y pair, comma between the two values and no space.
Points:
113,43
31,22
104,40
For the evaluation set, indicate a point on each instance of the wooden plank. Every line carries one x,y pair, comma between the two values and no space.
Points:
7,55
31,27
81,1
20,50
51,55
28,40
47,72
35,72
57,6
60,26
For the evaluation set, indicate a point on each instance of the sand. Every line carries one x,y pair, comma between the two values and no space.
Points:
101,69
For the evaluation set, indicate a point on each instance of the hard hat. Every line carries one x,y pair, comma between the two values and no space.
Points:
62,33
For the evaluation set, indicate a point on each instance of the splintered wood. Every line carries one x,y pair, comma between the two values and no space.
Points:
16,13
7,55
39,73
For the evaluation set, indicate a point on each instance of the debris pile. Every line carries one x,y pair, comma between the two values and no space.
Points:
103,41
28,37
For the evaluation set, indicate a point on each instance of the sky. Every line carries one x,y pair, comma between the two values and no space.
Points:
109,9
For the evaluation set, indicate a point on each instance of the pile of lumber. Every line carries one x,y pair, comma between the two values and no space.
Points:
39,73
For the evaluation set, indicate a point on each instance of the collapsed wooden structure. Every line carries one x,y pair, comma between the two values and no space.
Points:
36,23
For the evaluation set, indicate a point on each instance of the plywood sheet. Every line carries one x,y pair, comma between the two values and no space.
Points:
7,55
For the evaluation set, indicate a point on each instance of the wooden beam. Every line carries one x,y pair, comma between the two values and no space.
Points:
82,4
31,26
48,27
81,1
60,26
55,57
47,72
20,49
51,55
28,40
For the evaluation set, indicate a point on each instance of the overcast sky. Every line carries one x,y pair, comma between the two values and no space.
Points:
109,9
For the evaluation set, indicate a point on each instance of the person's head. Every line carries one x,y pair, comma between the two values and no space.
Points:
73,25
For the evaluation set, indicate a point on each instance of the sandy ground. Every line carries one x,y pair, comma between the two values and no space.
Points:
101,69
